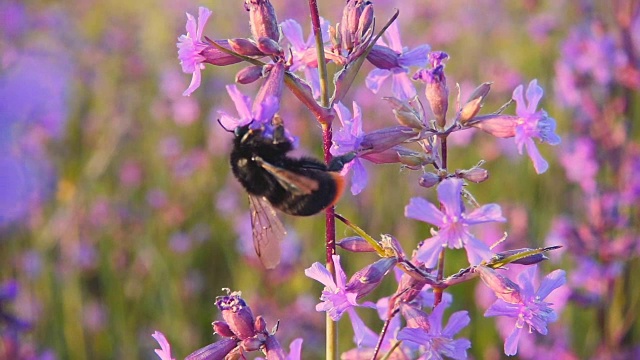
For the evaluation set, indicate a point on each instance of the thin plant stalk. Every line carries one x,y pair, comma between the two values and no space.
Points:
327,136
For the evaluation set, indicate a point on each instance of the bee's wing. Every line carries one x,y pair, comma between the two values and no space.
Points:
295,183
268,231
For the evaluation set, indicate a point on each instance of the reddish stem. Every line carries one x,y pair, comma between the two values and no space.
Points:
330,234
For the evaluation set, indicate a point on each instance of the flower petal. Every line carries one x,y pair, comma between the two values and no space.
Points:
485,213
511,342
534,94
521,108
415,57
195,80
450,197
376,78
401,86
421,209
318,272
293,32
242,102
203,18
428,252
539,163
359,177
551,282
477,251
457,321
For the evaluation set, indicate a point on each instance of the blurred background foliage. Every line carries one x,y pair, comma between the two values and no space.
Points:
118,214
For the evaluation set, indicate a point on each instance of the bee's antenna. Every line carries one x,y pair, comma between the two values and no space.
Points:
225,129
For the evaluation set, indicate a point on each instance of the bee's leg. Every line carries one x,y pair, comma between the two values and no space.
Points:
279,135
338,162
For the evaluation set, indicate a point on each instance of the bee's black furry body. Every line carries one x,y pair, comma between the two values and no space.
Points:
252,149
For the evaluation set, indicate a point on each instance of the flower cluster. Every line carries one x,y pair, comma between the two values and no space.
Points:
417,140
240,332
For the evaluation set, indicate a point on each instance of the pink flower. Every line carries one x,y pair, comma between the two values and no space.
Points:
530,308
165,349
190,47
453,223
533,124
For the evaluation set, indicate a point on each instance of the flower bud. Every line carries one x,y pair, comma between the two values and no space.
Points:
262,18
365,21
504,288
475,174
529,260
474,104
273,349
249,74
385,138
245,47
222,328
408,118
383,57
215,56
355,244
368,278
389,156
269,47
412,159
237,315
217,350
406,114
415,318
429,179
261,324
437,92
352,27
251,344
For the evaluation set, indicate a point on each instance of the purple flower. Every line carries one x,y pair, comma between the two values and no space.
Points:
530,309
303,53
261,114
335,296
436,89
579,162
348,139
533,124
436,342
453,223
190,47
395,60
295,351
165,349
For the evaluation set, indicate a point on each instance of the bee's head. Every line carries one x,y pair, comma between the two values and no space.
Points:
246,133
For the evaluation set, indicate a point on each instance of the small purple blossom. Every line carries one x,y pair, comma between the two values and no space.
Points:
190,47
337,299
399,59
435,341
348,139
533,124
579,162
303,53
260,114
165,349
531,309
453,223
